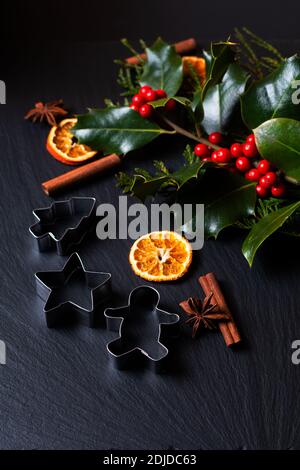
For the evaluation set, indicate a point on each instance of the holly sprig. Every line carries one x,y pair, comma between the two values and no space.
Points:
230,101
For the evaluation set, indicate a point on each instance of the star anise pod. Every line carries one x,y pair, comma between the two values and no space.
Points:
47,111
202,313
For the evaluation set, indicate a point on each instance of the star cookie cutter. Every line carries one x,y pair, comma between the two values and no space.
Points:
82,209
139,325
64,300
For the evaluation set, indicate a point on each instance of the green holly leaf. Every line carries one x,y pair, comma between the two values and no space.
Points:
272,97
278,140
222,100
227,198
231,199
208,61
264,228
115,130
144,184
162,102
220,57
197,106
163,68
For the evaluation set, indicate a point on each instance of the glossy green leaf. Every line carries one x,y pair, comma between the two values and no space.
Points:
162,102
208,61
163,68
115,130
222,100
197,106
233,198
143,187
187,172
264,228
227,198
278,140
221,56
273,96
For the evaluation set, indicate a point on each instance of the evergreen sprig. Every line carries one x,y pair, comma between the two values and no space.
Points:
252,50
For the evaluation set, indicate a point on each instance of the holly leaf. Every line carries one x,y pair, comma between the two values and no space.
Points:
162,102
217,62
144,187
163,68
222,100
143,184
227,198
197,106
264,228
115,130
208,61
278,140
272,97
234,200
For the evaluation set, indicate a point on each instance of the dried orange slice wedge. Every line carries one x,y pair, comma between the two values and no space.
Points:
198,64
62,145
160,256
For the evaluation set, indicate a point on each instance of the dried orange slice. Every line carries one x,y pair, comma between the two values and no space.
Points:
62,145
198,64
160,256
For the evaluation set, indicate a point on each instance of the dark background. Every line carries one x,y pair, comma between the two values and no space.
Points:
102,20
58,390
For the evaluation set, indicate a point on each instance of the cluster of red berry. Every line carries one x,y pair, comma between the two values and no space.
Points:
144,96
261,171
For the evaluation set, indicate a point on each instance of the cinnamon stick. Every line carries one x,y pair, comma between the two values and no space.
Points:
228,329
81,173
181,47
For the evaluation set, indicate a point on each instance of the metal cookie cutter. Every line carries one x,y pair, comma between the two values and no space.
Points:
72,294
63,224
140,326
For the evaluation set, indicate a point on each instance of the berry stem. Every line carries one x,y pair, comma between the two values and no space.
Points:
188,134
291,180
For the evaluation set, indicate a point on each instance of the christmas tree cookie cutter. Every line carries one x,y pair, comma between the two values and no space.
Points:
139,325
64,224
62,291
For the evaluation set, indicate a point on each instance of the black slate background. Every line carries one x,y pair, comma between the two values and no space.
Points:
58,390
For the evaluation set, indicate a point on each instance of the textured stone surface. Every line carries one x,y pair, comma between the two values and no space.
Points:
58,390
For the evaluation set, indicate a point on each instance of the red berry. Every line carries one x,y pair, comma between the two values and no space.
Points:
250,139
236,150
144,90
264,183
160,93
264,167
278,190
223,156
250,150
214,157
201,150
145,111
253,175
150,95
243,164
138,100
206,159
134,107
215,138
271,177
170,105
262,192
